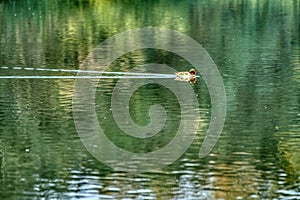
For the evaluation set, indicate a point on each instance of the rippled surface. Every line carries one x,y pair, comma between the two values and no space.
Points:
256,47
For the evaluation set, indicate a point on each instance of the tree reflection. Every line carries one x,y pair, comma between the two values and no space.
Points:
254,43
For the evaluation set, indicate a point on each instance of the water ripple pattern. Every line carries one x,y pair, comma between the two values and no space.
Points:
93,136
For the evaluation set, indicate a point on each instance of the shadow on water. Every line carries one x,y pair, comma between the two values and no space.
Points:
256,46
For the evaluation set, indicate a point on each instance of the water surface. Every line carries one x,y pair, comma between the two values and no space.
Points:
256,46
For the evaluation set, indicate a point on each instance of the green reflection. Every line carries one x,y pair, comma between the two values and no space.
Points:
256,46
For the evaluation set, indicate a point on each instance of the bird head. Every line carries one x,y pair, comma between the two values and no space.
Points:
192,72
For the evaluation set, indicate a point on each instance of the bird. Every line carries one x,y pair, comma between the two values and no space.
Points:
186,76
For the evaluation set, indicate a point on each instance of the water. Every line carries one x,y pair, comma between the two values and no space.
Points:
256,47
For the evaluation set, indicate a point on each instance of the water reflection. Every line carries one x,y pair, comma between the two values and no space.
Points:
256,47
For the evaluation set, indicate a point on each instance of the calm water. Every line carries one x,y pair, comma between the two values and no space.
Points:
256,46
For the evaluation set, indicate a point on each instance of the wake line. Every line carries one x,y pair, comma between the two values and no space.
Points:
84,71
159,76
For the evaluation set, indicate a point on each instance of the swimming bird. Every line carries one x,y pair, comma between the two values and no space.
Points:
186,76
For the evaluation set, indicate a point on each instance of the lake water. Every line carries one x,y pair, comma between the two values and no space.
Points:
256,47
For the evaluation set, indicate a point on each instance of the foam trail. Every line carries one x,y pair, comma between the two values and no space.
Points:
159,76
84,71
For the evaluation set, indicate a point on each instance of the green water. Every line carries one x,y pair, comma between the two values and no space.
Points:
256,46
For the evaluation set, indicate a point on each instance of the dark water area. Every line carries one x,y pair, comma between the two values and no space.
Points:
256,47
